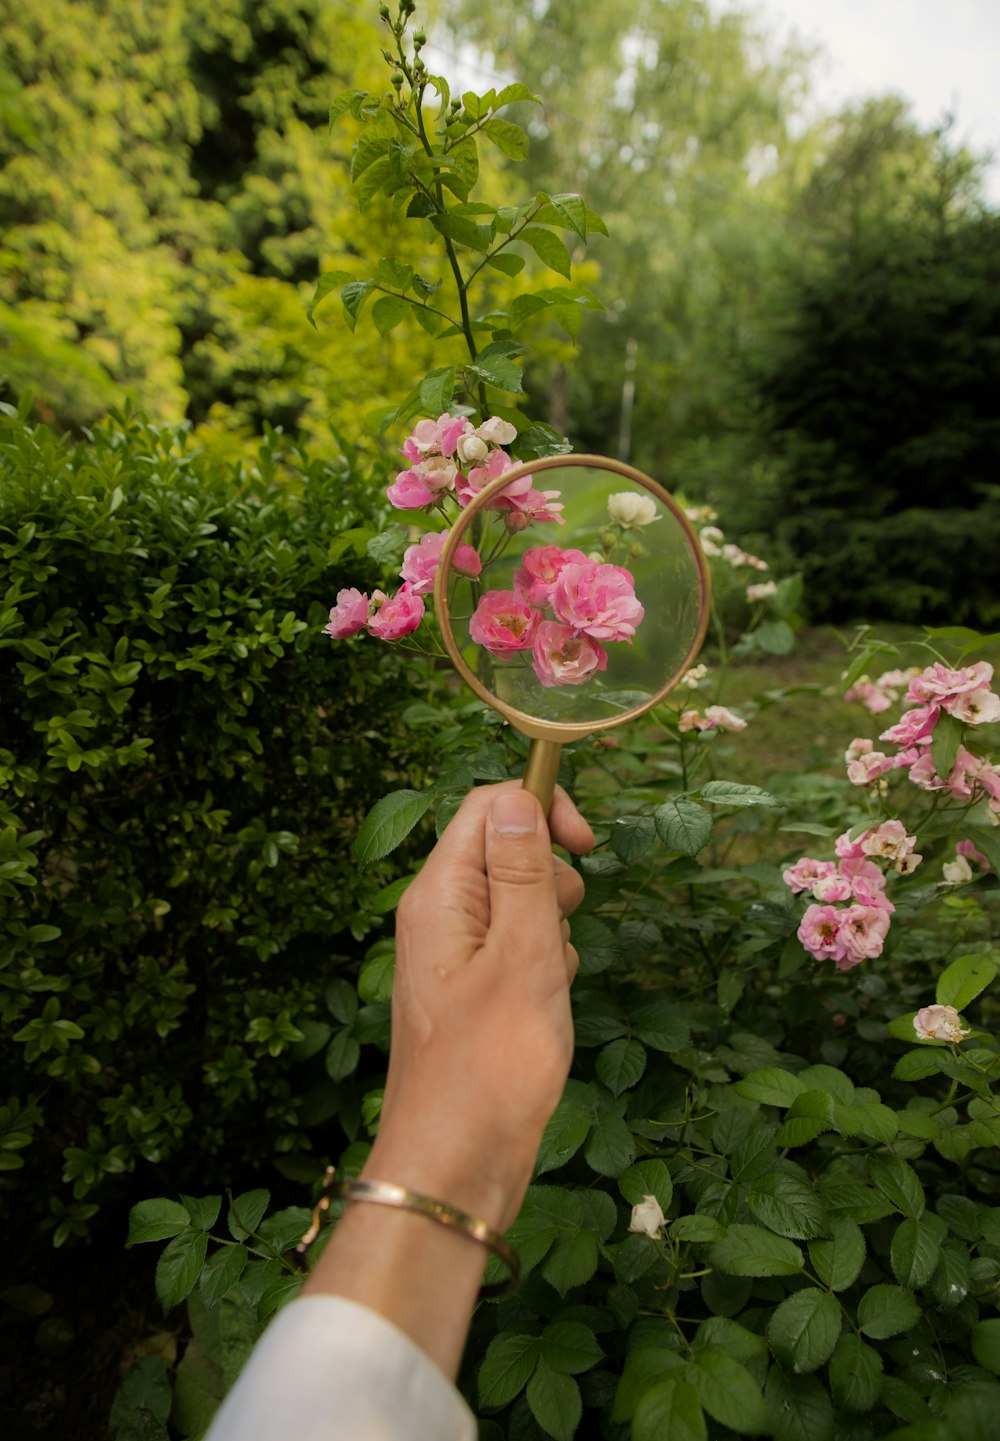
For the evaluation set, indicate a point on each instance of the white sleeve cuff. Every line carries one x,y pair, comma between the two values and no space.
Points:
328,1369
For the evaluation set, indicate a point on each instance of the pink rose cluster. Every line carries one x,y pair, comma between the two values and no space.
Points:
850,933
392,617
938,690
879,695
592,603
716,717
449,457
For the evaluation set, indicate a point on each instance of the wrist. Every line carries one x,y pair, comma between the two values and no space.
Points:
487,1185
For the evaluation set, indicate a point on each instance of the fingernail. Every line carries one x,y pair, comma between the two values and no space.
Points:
514,813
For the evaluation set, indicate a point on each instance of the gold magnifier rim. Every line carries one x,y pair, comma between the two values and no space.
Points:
533,726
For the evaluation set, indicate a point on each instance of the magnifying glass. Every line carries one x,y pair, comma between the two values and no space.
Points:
572,595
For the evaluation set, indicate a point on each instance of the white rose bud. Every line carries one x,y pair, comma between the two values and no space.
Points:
496,431
648,1218
628,508
471,448
939,1023
763,591
957,872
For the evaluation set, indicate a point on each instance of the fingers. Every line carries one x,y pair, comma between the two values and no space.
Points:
524,911
567,825
569,886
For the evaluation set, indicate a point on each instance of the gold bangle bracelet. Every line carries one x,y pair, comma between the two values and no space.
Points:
388,1193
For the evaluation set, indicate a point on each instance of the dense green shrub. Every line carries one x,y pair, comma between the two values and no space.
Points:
184,757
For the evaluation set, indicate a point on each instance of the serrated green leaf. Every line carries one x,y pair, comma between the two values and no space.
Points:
670,1409
621,1064
838,1261
156,1220
736,796
506,262
507,1367
727,1391
246,1212
631,837
570,1347
867,1119
571,1261
570,211
647,1178
342,1055
388,823
771,1086
657,1023
437,389
514,94
753,1251
964,980
798,1407
885,1311
899,1183
803,1330
326,284
179,1267
683,826
946,739
696,1228
554,1399
916,1249
595,944
353,297
788,1205
646,1366
222,1270
985,1338
855,1374
610,1148
203,1210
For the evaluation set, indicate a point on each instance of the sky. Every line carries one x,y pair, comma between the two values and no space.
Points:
944,57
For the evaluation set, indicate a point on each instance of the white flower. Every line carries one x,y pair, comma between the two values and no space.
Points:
471,448
628,508
939,1023
648,1218
957,872
693,677
712,535
496,431
976,708
763,591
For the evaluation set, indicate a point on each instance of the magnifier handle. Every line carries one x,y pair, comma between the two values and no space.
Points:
541,771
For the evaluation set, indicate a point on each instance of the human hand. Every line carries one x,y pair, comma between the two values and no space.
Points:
482,1033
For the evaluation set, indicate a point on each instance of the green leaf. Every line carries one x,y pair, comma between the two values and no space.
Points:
156,1220
838,1261
342,1055
775,637
964,980
388,823
855,1374
899,1182
246,1212
620,1065
550,250
729,793
727,1391
696,1228
671,1409
570,212
647,1178
916,1249
437,389
499,371
506,1368
657,1022
771,1087
41,935
809,1115
353,297
752,1251
326,284
683,826
803,1330
869,1118
945,742
144,1389
887,1311
595,944
510,139
565,1133
506,262
203,1210
222,1271
611,1146
985,1338
798,1407
632,836
571,1262
906,1403
788,1205
645,1367
388,311
555,1402
514,94
570,1347
179,1267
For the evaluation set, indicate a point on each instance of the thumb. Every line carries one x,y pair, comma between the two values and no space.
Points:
524,911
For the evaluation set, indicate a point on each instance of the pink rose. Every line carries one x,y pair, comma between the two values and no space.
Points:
689,720
912,726
561,657
974,707
717,717
888,840
870,695
969,851
530,505
420,561
598,599
435,437
504,622
939,1023
409,491
848,849
540,568
938,681
397,615
497,463
833,888
863,930
806,872
819,933
349,615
